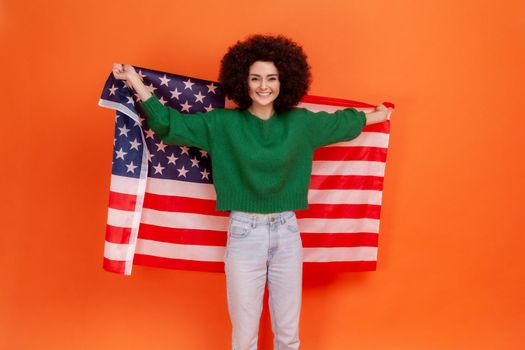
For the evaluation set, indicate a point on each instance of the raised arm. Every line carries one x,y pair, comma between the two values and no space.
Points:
324,128
343,125
168,123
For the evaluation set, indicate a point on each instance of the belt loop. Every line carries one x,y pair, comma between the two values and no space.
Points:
283,219
253,221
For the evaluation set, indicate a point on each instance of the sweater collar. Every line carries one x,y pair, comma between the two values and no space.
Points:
273,116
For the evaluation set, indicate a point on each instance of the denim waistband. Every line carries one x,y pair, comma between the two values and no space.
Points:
263,219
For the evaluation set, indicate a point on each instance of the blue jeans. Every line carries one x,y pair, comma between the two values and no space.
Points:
260,249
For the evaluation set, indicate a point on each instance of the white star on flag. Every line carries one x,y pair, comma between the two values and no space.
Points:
172,159
150,133
212,87
199,97
161,146
205,174
194,162
135,144
112,89
150,155
158,169
131,167
164,80
124,131
185,106
175,94
120,154
182,171
188,84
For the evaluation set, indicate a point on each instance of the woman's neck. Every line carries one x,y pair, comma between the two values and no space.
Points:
262,112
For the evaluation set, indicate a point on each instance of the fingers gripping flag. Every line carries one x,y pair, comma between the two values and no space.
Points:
162,200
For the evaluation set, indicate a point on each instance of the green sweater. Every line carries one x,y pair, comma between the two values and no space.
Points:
259,166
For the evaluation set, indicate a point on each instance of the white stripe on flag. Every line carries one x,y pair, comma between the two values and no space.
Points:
220,223
180,188
338,225
340,254
124,184
121,218
344,197
184,220
330,167
180,251
115,251
366,139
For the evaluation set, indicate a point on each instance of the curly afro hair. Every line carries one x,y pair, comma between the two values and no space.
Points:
287,56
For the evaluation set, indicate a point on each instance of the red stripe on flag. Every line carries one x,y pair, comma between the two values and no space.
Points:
214,266
346,182
116,266
333,101
179,264
182,204
116,234
372,154
182,236
122,201
330,240
383,127
336,211
325,267
219,238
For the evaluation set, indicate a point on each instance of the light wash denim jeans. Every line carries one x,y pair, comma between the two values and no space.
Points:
260,249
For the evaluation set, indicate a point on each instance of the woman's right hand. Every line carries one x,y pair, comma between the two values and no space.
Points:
123,71
127,72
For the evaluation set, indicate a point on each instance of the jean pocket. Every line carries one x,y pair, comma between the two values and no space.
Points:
238,229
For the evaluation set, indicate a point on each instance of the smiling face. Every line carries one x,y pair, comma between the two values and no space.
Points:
263,83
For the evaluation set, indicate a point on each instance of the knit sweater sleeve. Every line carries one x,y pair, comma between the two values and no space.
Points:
325,128
176,128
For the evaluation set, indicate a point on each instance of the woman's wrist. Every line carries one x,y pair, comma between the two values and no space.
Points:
134,80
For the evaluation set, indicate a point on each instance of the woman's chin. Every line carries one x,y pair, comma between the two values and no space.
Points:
263,103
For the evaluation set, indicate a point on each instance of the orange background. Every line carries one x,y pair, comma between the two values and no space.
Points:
450,271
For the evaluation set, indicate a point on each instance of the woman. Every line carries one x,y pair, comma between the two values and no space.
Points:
262,162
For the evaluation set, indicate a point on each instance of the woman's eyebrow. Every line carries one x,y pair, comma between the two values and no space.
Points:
269,75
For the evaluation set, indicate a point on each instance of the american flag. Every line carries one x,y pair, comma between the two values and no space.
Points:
162,200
